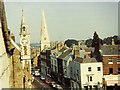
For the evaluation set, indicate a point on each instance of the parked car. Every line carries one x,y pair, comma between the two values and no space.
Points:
37,73
56,86
42,78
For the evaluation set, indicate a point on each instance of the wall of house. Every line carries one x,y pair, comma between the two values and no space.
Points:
113,64
54,68
75,74
96,75
68,67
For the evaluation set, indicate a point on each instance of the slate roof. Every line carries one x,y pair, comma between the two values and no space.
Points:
89,60
78,59
63,49
88,49
65,53
110,49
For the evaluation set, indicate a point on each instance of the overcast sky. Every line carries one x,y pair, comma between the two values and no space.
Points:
65,20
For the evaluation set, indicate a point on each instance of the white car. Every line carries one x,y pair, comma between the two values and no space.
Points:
56,86
42,78
59,87
37,73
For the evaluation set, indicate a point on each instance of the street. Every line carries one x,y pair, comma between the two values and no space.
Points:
37,83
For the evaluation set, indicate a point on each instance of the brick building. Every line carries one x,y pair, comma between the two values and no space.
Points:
111,65
111,59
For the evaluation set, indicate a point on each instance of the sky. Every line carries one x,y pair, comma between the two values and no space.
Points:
65,20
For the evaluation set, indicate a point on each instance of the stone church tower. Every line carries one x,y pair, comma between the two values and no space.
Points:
44,38
25,53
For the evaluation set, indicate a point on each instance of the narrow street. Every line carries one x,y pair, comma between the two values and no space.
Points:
37,83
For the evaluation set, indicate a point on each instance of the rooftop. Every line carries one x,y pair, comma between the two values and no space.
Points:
110,49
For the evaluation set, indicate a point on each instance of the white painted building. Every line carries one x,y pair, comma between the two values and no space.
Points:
91,74
86,73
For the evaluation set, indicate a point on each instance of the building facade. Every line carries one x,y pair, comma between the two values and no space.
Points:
111,64
86,73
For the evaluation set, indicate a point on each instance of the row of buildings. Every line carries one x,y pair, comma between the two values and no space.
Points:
74,67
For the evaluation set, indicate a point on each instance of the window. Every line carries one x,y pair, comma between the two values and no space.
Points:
118,60
110,70
98,69
118,70
90,78
110,60
65,63
89,69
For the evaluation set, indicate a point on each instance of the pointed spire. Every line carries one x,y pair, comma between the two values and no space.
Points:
23,18
44,34
43,24
23,24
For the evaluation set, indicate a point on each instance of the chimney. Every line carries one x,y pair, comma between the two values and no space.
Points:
76,51
113,43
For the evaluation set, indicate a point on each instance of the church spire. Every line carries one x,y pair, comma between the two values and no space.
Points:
44,34
23,28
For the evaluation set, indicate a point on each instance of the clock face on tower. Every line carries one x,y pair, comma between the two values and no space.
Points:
24,41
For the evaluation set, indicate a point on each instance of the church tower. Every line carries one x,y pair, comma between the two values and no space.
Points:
25,53
24,40
44,38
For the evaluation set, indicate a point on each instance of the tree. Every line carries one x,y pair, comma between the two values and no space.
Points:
96,42
108,40
70,42
88,42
